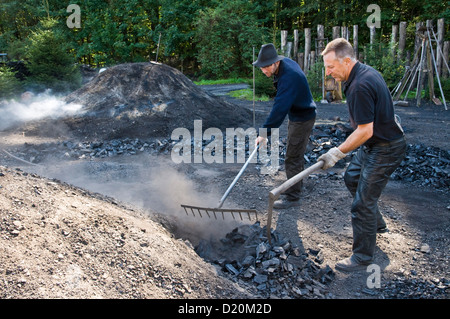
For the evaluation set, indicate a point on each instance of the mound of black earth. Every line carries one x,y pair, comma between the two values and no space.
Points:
138,100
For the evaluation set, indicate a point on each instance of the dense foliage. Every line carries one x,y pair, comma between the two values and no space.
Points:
9,84
203,38
50,63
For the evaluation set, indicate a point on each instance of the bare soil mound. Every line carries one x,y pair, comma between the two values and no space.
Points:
59,241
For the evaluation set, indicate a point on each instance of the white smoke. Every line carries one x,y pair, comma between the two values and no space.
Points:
32,107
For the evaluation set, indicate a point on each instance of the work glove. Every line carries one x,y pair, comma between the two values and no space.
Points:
331,157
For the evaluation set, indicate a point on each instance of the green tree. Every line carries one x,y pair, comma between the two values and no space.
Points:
381,56
177,25
315,79
50,63
113,32
118,31
9,84
225,38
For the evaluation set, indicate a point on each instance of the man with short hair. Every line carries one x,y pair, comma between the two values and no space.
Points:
293,99
381,144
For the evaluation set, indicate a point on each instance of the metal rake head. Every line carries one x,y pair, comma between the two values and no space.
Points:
214,212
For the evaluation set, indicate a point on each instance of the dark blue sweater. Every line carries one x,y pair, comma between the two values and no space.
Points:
293,96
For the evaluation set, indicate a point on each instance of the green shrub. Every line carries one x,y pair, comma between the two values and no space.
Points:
51,65
17,49
314,77
445,84
380,56
263,84
9,84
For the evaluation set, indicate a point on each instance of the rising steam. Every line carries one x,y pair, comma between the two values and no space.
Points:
150,183
32,107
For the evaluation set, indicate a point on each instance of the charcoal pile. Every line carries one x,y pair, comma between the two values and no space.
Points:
325,137
115,147
90,150
422,166
425,166
148,100
412,288
277,269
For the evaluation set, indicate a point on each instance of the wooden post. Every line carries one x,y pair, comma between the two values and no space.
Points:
284,35
418,40
372,35
344,33
423,66
401,40
440,42
355,40
420,75
301,60
336,31
254,86
430,73
394,39
394,36
288,49
307,48
320,39
445,50
295,54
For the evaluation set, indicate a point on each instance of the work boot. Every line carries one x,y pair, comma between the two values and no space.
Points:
286,203
382,230
349,265
381,224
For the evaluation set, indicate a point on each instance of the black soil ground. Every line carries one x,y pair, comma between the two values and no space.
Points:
112,226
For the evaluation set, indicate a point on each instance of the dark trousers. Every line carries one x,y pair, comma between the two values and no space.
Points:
294,162
365,178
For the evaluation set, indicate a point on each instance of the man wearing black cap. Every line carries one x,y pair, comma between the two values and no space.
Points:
293,99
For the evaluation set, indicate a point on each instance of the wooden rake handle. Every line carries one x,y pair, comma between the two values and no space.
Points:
276,192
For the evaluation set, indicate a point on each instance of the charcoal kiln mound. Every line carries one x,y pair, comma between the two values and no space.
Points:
140,100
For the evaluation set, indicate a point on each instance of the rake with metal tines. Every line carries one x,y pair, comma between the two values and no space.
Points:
219,211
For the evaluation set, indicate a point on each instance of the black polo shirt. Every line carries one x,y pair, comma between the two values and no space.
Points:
369,100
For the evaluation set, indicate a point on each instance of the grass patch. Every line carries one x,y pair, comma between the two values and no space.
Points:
224,81
247,94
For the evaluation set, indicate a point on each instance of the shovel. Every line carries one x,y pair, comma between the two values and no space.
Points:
219,209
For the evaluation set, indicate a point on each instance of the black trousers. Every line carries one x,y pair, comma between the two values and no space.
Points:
366,177
294,162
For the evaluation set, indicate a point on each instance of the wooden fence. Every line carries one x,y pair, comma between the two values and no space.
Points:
398,37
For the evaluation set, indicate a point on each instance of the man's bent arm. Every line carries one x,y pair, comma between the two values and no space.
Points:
362,133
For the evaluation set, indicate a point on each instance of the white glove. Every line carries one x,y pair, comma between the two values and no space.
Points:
331,158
